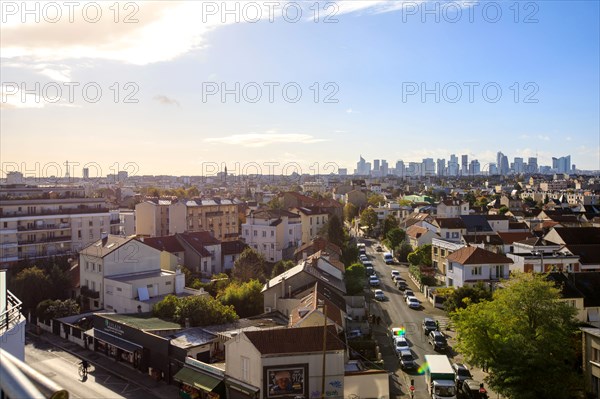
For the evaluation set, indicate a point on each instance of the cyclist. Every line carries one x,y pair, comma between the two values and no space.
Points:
84,366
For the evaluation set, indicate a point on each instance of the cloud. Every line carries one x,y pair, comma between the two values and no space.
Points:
13,98
255,140
543,137
166,100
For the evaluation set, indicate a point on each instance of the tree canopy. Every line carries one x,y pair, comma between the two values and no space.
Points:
350,211
246,298
202,310
355,279
525,336
395,237
368,218
250,265
420,256
463,296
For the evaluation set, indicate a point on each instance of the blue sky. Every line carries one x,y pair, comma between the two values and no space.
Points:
375,59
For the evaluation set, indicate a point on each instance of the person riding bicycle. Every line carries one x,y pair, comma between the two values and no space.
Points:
84,365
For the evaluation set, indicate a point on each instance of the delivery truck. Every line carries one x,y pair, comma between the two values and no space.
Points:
439,376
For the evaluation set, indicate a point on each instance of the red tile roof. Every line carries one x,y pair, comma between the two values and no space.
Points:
477,256
166,243
509,237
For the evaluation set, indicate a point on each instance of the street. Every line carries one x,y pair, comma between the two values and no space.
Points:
62,368
395,313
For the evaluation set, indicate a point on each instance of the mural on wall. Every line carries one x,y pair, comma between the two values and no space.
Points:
286,381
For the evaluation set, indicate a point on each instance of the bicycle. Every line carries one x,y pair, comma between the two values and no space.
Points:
82,371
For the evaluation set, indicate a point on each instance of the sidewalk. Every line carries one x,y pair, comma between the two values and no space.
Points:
156,388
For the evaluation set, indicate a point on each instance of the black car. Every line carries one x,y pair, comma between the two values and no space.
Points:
472,389
407,361
438,341
429,325
461,373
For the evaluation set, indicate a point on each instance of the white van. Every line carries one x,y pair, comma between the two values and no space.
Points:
388,258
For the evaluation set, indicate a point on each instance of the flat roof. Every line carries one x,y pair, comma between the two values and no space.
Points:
141,276
140,321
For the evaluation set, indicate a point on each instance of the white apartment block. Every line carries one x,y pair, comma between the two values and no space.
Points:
273,233
45,227
313,219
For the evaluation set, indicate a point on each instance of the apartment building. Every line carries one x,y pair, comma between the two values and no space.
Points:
313,219
36,228
12,322
158,217
272,232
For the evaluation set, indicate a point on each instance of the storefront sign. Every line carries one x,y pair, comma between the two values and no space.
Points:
286,381
113,327
205,367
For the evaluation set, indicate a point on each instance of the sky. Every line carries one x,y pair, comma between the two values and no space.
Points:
184,88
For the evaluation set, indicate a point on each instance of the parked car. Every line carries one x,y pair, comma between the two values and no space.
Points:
407,361
400,343
367,263
352,334
395,273
378,248
363,258
369,270
401,285
374,281
438,341
379,295
388,258
461,373
429,325
397,278
471,389
408,293
413,302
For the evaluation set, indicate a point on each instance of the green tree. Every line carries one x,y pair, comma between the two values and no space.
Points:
49,309
350,211
335,231
503,209
355,279
368,218
275,203
395,236
375,200
246,298
463,296
166,308
60,281
525,336
420,256
250,265
200,310
402,251
281,266
192,192
32,285
389,223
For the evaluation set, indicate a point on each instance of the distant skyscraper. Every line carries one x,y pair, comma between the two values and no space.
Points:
465,165
376,165
493,169
502,162
384,168
400,169
474,168
362,167
342,171
532,165
562,164
441,167
518,165
428,167
453,165
86,173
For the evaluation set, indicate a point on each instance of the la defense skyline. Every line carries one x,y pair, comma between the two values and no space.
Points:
462,167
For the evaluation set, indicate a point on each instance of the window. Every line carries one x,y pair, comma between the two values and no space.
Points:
93,267
99,268
454,234
595,355
443,252
93,286
447,235
168,282
264,234
245,368
246,232
205,265
5,225
119,289
310,220
499,271
450,267
87,265
476,271
435,250
255,233
79,234
272,246
272,233
91,223
290,232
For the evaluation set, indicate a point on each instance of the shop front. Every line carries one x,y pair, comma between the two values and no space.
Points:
239,390
118,348
198,380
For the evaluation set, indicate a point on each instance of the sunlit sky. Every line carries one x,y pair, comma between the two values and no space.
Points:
180,83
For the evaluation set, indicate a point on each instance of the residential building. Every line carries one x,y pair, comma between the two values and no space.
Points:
580,241
288,361
40,228
448,228
590,339
273,233
471,265
313,220
440,249
417,236
450,208
12,322
358,198
537,255
160,217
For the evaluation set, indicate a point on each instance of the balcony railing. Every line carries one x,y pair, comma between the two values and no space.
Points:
62,226
12,314
44,240
86,291
41,212
19,380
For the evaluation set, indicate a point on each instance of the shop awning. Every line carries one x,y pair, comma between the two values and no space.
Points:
115,341
244,388
197,379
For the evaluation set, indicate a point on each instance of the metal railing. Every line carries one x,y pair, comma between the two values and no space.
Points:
19,380
12,315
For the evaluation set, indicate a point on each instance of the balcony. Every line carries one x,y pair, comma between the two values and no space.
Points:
62,226
115,221
12,315
44,212
86,291
45,240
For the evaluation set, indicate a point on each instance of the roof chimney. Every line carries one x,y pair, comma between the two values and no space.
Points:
104,237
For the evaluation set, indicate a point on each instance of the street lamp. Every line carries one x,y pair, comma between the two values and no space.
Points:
541,255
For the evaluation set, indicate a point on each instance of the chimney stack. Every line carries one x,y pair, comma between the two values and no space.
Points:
104,237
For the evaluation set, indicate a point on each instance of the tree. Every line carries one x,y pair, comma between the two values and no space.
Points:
420,256
525,336
50,309
395,236
246,298
350,211
166,308
281,267
375,200
250,265
355,279
335,231
463,296
275,203
389,223
368,218
32,285
503,209
403,251
199,310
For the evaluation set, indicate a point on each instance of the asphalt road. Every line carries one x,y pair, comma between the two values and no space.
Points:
62,368
395,313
